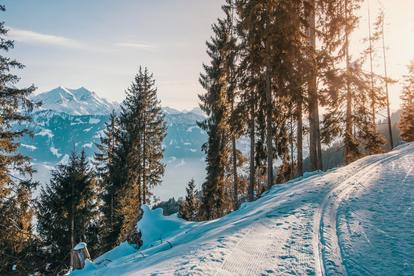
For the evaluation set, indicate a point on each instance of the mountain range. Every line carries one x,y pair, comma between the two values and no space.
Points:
79,101
74,119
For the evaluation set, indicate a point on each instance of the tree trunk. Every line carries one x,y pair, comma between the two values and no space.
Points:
235,179
315,150
269,131
292,159
252,179
144,178
299,139
111,211
371,60
386,88
72,225
348,118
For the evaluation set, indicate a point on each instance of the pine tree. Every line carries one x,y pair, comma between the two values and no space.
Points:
272,35
375,100
215,104
15,169
104,166
230,57
325,21
143,120
315,152
68,211
407,106
352,95
136,164
189,208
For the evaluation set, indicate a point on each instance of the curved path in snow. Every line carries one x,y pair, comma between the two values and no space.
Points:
355,220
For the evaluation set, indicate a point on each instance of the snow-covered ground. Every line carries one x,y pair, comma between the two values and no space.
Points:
356,220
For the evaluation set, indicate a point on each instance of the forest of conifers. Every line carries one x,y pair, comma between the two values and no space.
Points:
280,76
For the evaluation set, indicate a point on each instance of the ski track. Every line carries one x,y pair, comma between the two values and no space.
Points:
330,251
320,225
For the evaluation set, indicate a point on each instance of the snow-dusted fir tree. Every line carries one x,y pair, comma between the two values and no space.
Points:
407,106
68,211
15,193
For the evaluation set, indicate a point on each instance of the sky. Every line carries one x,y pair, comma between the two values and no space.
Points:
100,44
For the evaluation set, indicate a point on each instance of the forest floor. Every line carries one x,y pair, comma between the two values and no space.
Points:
356,220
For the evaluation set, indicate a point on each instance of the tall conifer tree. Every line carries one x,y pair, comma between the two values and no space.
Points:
135,166
68,210
15,169
215,103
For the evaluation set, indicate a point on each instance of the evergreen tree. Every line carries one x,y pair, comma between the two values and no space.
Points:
15,169
106,174
215,104
143,121
272,34
189,208
136,164
315,151
230,57
68,211
352,95
407,106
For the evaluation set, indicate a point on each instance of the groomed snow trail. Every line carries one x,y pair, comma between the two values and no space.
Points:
355,220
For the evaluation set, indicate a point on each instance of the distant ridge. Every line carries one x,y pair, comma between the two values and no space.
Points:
79,101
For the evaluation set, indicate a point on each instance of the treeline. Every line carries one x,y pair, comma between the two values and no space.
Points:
95,201
274,66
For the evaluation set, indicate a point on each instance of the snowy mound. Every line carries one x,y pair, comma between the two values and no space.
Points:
355,220
157,228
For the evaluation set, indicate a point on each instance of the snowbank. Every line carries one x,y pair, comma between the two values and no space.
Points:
355,220
157,228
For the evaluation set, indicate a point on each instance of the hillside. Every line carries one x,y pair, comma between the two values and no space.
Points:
353,220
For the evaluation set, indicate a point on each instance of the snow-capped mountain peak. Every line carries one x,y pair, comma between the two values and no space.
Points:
79,101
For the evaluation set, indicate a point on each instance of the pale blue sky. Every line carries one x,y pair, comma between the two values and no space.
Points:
99,44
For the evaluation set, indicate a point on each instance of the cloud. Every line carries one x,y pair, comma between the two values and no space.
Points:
140,46
45,39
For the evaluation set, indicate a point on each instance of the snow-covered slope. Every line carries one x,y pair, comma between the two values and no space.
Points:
355,220
79,101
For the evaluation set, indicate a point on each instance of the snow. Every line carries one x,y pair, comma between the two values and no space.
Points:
94,121
64,160
355,220
80,246
158,228
45,132
88,145
190,129
29,147
79,101
55,152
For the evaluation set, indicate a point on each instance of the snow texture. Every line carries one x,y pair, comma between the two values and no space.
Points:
79,101
355,220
